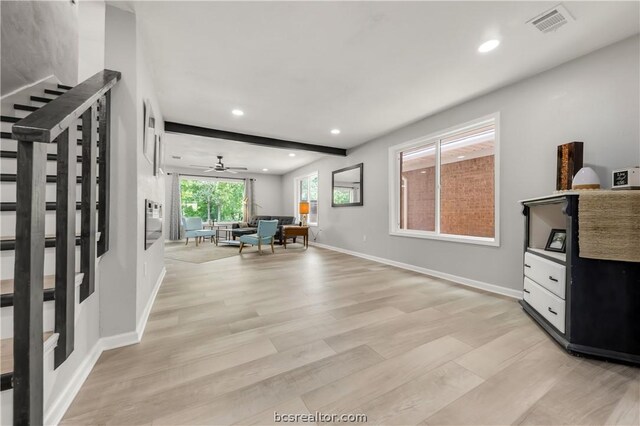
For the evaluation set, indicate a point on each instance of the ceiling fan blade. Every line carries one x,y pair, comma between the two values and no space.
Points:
200,167
236,168
208,170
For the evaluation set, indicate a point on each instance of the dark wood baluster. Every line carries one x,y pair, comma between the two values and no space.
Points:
65,247
28,289
88,209
104,130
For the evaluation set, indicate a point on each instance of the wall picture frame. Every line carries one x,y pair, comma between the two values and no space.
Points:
148,131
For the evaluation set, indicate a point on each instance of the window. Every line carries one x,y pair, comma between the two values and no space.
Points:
218,200
444,186
306,189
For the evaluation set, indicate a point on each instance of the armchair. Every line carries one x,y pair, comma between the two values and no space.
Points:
193,227
265,234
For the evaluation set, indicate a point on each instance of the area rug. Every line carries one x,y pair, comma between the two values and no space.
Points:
205,252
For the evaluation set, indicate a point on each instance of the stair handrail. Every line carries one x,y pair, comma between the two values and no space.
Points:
56,122
45,124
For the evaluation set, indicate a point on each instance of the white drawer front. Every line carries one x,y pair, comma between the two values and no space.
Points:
547,304
550,275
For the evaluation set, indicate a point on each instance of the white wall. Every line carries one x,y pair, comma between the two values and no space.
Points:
594,99
131,274
267,188
150,261
118,267
91,22
39,39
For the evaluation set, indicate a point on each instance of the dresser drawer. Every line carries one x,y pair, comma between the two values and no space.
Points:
546,303
548,274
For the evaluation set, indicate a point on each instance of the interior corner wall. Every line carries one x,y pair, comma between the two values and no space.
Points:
594,99
39,39
118,267
150,264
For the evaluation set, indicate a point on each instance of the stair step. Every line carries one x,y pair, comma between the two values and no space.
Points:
9,119
5,135
64,87
6,290
11,177
49,285
50,206
9,243
21,107
50,157
53,92
50,340
40,99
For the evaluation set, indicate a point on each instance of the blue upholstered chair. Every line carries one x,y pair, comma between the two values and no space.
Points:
265,235
193,227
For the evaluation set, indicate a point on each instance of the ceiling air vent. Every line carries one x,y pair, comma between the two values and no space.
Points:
552,19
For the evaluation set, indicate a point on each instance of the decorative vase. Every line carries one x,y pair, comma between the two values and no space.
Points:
569,160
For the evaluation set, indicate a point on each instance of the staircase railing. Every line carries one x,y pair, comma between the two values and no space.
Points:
56,123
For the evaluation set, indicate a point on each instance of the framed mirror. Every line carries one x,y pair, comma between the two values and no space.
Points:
346,186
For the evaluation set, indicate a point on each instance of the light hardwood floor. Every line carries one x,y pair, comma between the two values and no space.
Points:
233,340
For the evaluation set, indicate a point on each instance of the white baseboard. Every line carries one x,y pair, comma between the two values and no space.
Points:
142,323
59,407
509,292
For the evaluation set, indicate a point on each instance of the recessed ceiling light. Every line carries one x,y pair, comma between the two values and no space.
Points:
460,157
237,112
291,154
265,170
488,46
335,131
424,172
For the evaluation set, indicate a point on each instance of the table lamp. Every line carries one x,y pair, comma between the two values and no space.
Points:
303,209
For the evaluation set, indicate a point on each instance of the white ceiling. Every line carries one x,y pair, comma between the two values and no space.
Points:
299,69
201,151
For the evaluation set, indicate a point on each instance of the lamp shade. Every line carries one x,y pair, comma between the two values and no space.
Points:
303,208
586,178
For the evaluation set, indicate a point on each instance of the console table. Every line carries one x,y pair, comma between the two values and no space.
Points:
292,231
589,306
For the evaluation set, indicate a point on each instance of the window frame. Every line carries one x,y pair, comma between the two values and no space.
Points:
296,196
395,181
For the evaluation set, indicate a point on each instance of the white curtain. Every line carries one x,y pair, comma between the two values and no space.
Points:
174,208
249,201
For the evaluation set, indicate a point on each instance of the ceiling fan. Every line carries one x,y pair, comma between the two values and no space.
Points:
220,167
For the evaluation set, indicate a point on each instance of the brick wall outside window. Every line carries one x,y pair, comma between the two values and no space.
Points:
466,198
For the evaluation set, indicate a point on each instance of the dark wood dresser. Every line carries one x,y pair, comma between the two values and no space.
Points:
589,306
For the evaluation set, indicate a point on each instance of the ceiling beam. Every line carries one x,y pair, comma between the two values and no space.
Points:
188,129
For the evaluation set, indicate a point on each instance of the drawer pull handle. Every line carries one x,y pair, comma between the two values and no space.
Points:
527,266
553,279
553,312
526,291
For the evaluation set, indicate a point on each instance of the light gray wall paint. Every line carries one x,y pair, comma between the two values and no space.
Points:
594,99
39,39
150,261
118,268
91,21
268,190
